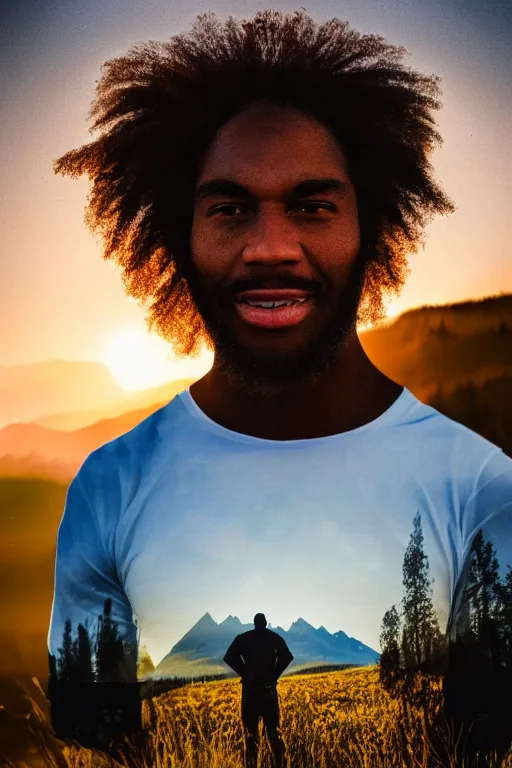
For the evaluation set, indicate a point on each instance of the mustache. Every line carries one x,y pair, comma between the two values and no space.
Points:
284,281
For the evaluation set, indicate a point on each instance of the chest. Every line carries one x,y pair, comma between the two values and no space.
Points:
323,559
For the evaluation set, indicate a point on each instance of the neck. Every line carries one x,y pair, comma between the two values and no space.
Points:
351,393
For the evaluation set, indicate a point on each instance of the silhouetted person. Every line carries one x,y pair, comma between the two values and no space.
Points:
260,656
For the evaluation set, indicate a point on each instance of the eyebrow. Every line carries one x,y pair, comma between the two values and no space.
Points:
227,188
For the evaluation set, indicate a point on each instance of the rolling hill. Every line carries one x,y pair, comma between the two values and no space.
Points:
30,450
30,391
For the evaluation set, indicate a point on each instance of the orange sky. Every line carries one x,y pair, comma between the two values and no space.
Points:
59,299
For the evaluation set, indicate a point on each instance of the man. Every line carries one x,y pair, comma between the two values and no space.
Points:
261,184
260,657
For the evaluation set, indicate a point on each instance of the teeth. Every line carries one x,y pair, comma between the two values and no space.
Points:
272,304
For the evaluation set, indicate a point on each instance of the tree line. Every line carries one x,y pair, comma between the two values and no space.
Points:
473,659
98,657
410,636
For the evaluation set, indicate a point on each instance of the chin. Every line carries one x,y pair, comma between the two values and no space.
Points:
271,372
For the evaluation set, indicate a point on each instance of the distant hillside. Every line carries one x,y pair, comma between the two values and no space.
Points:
29,391
69,394
132,401
457,358
430,347
30,450
200,651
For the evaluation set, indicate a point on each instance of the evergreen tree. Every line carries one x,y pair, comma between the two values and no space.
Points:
421,636
390,647
506,619
484,587
66,661
84,669
487,602
109,647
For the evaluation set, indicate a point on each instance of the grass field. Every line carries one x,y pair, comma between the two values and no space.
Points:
328,720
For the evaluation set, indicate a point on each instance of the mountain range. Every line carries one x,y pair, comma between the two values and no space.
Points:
33,449
201,649
69,394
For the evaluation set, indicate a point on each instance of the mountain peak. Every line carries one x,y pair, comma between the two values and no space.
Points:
205,622
301,626
233,622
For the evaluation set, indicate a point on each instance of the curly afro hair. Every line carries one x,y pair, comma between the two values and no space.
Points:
158,108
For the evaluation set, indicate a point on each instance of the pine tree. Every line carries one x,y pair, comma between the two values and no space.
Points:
84,670
390,647
66,662
506,618
485,596
421,636
484,585
108,647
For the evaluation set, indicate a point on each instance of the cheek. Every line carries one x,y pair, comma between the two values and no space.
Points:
208,253
339,252
201,253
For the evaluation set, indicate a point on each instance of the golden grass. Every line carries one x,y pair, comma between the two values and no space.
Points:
341,719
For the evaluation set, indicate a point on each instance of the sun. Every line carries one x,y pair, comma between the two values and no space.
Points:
393,308
139,360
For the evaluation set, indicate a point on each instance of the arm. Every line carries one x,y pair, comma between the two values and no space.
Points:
479,672
284,658
233,657
92,639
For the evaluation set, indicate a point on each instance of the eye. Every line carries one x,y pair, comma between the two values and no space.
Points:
228,210
225,208
324,206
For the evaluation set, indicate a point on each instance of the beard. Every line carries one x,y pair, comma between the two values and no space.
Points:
270,374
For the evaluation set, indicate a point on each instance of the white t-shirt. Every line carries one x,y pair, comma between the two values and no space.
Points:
191,529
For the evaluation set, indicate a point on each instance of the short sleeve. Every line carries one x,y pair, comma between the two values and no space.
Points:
486,534
491,496
92,640
85,575
480,628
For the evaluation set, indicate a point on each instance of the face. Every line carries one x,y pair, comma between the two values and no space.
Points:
274,247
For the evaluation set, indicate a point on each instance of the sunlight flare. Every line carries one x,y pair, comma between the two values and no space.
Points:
139,360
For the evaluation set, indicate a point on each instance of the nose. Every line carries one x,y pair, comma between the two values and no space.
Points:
272,240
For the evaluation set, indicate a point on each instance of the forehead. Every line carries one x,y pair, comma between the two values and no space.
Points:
271,145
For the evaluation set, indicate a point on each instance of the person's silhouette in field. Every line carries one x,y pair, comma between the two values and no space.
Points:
260,656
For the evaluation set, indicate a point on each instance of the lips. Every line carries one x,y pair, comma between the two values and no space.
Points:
274,317
272,294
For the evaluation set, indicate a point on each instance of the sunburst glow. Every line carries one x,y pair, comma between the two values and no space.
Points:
393,308
138,360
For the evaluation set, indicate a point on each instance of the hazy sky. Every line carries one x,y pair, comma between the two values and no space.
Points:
59,299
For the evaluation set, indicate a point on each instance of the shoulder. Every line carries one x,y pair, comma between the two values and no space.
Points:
490,504
433,426
116,465
112,474
480,460
475,473
443,447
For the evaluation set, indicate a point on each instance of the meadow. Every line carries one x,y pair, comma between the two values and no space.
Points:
328,720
